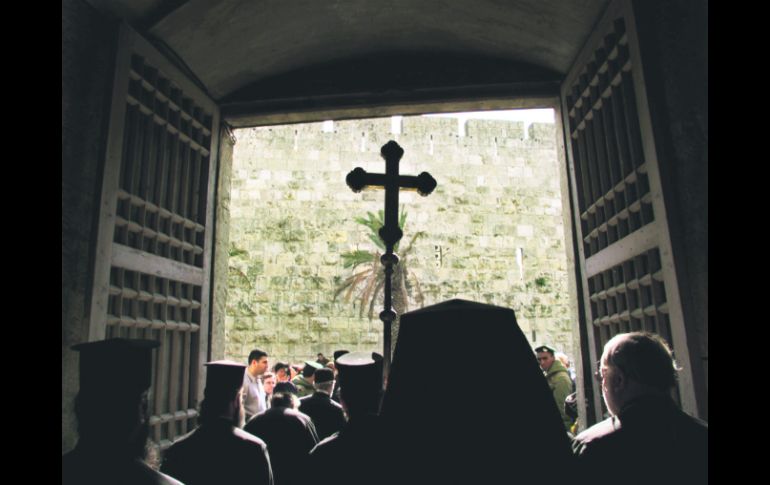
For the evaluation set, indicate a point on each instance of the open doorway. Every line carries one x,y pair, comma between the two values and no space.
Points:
302,247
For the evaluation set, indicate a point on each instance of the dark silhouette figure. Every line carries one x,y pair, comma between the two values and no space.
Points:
289,434
647,439
355,455
218,451
517,437
326,414
111,408
336,389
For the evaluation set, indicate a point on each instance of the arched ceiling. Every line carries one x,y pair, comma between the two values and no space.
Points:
232,45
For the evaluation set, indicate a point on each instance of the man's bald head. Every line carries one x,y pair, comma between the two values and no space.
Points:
635,364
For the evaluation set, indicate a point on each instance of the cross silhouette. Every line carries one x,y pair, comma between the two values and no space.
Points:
390,233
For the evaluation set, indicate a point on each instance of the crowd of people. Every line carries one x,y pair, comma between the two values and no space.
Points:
330,421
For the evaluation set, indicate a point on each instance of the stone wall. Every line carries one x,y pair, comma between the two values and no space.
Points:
493,230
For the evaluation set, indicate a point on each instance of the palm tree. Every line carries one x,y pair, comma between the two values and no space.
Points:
368,282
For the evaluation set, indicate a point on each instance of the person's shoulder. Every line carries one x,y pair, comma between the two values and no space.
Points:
693,427
141,473
326,446
181,443
258,421
598,432
299,416
247,439
694,422
309,399
557,369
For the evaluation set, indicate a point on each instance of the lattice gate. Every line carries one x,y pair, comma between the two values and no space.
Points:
626,262
155,230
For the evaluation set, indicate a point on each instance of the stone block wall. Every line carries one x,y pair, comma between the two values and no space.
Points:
493,230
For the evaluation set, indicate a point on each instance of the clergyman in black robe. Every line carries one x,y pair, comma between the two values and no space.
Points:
218,451
356,454
289,434
112,412
326,414
505,433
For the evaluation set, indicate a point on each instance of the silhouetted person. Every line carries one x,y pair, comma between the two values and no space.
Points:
326,414
336,390
218,451
254,399
514,436
289,434
356,453
647,439
558,379
111,408
304,381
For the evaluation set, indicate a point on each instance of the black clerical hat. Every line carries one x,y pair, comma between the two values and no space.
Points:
339,353
224,377
116,364
360,370
285,387
545,348
323,375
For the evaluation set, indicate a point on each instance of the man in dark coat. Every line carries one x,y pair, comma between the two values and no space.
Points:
355,455
218,451
289,434
326,414
515,437
647,439
111,408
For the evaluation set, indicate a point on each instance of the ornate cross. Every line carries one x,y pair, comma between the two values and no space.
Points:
390,233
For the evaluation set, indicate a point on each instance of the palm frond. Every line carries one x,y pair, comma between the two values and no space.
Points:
368,293
350,283
415,284
367,285
411,244
352,259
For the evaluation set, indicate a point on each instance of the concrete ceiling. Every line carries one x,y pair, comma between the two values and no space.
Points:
232,44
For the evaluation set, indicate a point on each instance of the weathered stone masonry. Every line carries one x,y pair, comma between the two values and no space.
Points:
494,229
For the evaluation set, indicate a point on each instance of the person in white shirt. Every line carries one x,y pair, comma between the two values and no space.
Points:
253,390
